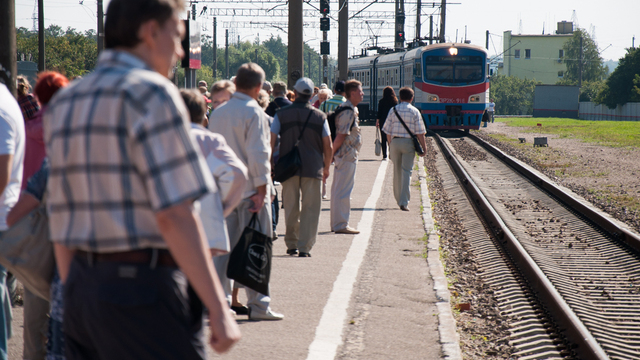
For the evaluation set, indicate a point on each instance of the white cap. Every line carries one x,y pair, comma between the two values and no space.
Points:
304,86
323,86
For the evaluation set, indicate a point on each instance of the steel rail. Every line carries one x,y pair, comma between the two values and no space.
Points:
576,332
588,211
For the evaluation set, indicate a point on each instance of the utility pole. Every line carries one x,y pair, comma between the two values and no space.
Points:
418,11
226,52
41,66
430,29
343,40
399,43
309,63
215,49
443,15
580,65
257,56
8,52
100,27
295,64
487,39
320,69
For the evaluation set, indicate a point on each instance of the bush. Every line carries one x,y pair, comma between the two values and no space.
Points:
512,95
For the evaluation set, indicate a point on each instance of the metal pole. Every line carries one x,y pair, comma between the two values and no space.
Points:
295,53
487,39
309,63
215,49
418,13
257,56
100,27
580,65
343,40
226,52
41,58
319,69
325,70
443,15
8,52
430,29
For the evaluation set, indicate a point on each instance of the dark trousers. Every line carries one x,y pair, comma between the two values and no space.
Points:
130,311
383,136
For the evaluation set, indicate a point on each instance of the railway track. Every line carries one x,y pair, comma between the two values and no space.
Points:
566,275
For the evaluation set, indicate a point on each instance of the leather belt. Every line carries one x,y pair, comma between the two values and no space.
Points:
153,257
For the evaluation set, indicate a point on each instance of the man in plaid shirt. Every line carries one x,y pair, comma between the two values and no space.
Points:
401,149
130,249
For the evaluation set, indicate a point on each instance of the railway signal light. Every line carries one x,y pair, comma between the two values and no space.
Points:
324,6
400,36
324,24
324,48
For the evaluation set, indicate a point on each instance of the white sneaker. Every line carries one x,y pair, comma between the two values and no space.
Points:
269,315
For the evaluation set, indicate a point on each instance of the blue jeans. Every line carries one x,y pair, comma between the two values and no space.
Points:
5,314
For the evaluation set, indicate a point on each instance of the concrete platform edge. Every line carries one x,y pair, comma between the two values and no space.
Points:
449,338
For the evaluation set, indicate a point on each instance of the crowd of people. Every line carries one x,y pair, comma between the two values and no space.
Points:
148,189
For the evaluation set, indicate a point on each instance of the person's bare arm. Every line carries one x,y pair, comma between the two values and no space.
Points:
5,170
422,141
26,203
182,230
63,255
327,149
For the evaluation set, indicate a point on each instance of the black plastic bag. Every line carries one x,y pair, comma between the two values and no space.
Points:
250,260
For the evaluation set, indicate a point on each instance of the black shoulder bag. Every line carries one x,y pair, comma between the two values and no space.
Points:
289,164
416,143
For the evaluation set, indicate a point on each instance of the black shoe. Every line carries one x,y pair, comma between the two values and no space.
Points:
240,310
304,254
292,252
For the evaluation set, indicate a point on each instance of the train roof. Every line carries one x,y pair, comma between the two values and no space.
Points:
393,57
458,45
362,62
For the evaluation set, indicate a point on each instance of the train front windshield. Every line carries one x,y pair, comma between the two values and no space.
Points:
454,69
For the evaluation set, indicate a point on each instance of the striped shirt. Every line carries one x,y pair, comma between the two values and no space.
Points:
120,150
331,104
410,115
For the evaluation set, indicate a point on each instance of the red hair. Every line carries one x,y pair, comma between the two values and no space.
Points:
49,82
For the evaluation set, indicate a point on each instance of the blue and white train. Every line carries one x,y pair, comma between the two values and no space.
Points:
450,81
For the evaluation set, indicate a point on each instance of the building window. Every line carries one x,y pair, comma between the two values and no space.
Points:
517,54
527,53
560,54
560,74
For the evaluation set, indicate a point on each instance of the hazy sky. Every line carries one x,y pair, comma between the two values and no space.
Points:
614,22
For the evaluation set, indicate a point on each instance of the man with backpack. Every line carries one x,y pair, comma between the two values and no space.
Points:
303,126
346,146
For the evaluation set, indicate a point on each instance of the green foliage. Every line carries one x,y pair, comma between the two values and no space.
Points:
246,52
68,52
590,90
623,84
610,133
513,96
592,64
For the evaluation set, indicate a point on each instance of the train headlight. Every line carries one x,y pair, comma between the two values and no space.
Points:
453,51
474,98
433,98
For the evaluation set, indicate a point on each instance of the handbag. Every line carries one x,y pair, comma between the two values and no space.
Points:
250,260
416,143
27,252
378,143
289,164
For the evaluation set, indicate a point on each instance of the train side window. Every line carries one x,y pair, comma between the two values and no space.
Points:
367,80
395,80
417,70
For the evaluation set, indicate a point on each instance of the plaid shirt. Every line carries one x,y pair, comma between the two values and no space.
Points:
410,115
29,106
119,146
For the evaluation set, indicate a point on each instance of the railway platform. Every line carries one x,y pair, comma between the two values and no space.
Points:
380,294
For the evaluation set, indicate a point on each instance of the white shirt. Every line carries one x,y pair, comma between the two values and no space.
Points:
12,140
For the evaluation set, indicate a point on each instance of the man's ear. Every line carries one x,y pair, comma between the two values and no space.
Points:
147,32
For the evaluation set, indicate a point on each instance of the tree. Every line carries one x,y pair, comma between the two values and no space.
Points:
68,52
592,64
622,85
513,96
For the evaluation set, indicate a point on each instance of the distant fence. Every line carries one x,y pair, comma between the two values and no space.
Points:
627,112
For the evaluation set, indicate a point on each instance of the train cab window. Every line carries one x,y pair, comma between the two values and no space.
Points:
458,69
468,73
417,70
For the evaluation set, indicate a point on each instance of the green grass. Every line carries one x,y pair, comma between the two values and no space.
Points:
609,133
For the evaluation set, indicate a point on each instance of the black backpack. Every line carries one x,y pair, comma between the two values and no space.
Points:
331,118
